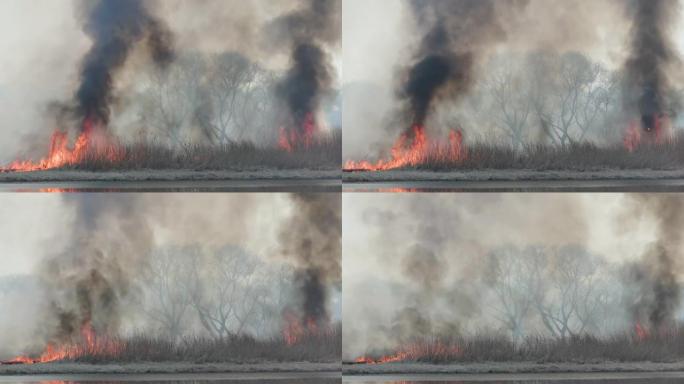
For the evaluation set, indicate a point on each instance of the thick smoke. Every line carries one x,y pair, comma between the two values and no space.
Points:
89,282
311,239
309,32
115,27
458,33
656,291
651,55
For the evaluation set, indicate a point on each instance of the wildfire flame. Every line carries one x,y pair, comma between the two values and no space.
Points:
641,332
416,352
89,343
415,150
296,330
291,139
656,131
62,154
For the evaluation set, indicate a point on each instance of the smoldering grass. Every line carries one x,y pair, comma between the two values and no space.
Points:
323,347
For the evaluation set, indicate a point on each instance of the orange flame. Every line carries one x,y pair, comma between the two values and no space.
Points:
416,352
89,344
290,139
296,330
641,332
414,151
61,154
658,134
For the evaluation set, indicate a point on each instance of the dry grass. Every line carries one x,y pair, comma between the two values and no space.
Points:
325,347
626,347
325,153
577,157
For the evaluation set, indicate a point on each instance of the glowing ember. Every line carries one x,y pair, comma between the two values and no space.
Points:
417,352
415,150
91,140
291,139
89,344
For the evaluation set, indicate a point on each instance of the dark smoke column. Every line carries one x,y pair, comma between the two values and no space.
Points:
651,53
311,240
89,282
115,27
307,31
655,278
457,33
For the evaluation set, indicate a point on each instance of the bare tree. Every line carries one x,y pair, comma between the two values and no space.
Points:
174,97
512,102
513,285
568,301
233,77
569,93
168,300
269,318
227,290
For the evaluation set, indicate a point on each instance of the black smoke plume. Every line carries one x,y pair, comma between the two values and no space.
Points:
457,34
308,31
89,283
651,53
311,240
656,289
115,27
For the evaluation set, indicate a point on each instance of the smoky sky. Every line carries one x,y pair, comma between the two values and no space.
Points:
456,35
115,27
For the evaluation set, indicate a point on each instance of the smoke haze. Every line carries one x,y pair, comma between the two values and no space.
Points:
100,267
424,265
411,39
89,59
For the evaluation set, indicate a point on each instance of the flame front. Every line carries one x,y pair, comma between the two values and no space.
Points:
414,150
296,330
89,344
291,139
657,130
641,332
418,351
89,141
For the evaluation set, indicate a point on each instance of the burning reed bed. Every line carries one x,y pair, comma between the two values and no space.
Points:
583,156
323,153
665,346
322,347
